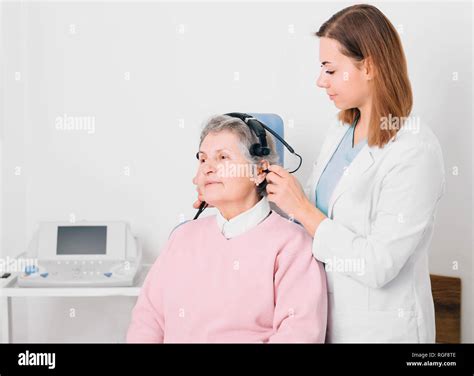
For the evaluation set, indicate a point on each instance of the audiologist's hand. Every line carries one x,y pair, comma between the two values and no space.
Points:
285,191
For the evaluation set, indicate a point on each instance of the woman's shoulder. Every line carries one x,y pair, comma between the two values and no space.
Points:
287,227
288,238
191,227
414,141
414,156
415,134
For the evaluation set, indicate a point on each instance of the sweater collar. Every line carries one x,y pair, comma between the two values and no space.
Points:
244,221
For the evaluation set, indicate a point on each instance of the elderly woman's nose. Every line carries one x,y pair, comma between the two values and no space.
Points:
208,168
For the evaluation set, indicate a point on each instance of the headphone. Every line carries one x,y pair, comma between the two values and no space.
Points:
259,149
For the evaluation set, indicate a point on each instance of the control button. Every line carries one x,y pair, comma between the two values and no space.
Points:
108,274
44,275
30,269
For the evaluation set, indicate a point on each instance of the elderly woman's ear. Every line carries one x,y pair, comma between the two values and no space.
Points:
262,166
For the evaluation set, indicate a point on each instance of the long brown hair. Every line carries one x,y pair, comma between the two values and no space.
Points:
364,32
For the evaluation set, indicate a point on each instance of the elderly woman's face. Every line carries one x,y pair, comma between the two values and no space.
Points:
224,174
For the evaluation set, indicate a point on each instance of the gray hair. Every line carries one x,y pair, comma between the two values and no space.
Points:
246,137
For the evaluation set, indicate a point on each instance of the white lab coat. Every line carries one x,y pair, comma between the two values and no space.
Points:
376,240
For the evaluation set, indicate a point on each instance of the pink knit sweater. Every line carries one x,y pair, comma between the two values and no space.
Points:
261,286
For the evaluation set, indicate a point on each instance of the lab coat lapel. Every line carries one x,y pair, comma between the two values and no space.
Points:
361,163
336,138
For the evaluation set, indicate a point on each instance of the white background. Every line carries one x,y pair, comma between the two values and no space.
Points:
150,74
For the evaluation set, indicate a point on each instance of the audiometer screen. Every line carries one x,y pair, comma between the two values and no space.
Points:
82,240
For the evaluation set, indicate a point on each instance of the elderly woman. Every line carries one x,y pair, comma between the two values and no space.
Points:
244,275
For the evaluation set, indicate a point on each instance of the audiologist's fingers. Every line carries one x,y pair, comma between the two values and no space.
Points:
273,178
280,171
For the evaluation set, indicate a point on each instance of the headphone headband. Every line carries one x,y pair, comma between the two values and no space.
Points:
260,149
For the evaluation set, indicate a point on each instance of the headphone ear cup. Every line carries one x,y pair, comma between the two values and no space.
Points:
256,150
259,150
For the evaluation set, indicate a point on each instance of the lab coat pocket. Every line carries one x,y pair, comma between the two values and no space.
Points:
394,326
397,295
372,327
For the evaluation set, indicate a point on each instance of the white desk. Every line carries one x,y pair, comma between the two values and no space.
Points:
9,289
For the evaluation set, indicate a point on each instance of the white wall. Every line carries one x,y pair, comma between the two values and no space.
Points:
74,60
